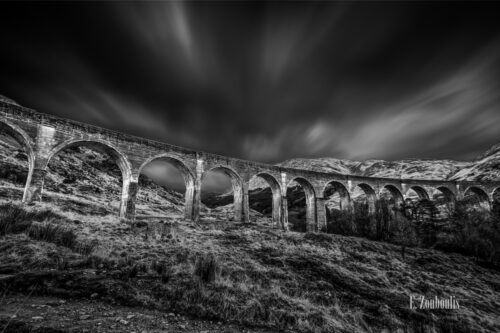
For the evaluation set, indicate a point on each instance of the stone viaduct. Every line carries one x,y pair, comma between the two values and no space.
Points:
44,136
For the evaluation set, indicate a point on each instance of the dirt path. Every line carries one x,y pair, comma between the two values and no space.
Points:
48,314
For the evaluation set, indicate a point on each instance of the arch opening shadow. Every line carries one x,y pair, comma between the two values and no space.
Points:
16,163
166,188
337,196
476,199
444,201
91,174
495,203
418,206
301,205
265,198
221,195
389,209
364,200
417,193
391,193
338,208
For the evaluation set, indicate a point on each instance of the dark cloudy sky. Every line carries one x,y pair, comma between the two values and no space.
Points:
266,81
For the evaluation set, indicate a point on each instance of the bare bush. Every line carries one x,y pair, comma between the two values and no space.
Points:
340,222
473,232
467,230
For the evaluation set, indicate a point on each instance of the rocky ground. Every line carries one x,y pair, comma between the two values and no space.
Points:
52,314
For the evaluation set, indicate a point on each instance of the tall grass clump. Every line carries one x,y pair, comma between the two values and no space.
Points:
42,225
85,247
9,219
52,233
15,219
206,268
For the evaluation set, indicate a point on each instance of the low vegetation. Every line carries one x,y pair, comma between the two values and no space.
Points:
43,225
248,275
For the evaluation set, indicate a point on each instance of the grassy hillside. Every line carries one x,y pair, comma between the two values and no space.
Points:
245,275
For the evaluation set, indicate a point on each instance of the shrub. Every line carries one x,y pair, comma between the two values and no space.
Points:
85,247
386,215
62,263
363,222
207,268
132,271
340,222
403,233
13,219
360,222
422,214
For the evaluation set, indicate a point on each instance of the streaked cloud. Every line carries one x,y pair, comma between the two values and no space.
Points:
265,81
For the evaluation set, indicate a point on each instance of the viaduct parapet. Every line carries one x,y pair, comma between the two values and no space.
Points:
43,136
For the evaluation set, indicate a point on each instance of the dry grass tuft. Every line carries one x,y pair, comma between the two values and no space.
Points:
207,268
15,218
52,233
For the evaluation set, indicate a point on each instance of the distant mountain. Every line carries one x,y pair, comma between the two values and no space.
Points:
410,168
484,168
493,151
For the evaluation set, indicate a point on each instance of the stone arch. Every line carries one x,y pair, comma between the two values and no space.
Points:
24,140
388,211
98,145
449,195
275,186
421,192
103,147
495,201
449,198
495,194
482,196
338,187
395,192
335,203
371,196
364,210
310,201
236,184
20,136
476,190
187,174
